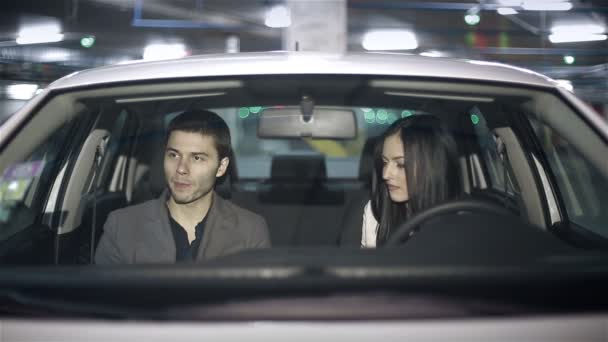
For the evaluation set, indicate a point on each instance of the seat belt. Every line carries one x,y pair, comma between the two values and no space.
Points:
100,151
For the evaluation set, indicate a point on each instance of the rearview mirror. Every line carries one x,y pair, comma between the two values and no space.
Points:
325,123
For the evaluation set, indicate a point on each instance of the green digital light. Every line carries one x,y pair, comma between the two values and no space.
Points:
472,19
87,41
255,110
406,113
381,115
474,119
370,120
569,59
243,112
370,116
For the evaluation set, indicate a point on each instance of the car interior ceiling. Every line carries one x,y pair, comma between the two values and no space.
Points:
302,206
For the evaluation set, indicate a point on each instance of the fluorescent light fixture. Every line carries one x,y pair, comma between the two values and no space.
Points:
54,55
278,16
389,40
575,37
566,84
506,11
577,32
40,39
38,34
21,91
550,5
155,52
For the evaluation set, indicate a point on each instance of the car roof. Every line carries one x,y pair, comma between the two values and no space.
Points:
284,63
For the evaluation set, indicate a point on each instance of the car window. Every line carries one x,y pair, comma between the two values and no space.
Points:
24,185
254,154
118,159
582,188
499,173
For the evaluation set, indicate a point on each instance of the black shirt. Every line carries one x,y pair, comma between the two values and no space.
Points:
184,250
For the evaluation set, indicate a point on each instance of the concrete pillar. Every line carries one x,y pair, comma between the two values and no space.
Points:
316,25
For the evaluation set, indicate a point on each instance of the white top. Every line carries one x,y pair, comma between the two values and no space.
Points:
370,227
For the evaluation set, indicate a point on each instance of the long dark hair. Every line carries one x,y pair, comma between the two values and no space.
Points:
431,169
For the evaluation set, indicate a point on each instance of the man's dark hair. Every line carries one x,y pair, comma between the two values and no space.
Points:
206,123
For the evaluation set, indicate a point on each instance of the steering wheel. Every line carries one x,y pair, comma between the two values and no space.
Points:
408,228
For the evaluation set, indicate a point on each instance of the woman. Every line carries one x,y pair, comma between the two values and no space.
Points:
415,168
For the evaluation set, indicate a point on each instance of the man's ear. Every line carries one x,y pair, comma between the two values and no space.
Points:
221,170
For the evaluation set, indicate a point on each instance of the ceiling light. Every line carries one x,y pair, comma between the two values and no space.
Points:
575,37
278,16
41,33
54,55
164,51
389,40
552,5
506,11
21,91
577,32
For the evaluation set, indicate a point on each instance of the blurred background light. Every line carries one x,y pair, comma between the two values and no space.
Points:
389,40
472,19
569,59
474,119
21,91
164,51
87,41
575,37
39,33
546,5
577,32
243,112
506,11
278,16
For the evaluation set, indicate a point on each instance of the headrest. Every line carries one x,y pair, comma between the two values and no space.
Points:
298,168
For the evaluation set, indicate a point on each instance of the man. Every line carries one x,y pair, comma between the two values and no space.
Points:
189,222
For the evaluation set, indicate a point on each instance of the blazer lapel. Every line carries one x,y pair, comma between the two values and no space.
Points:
218,234
156,243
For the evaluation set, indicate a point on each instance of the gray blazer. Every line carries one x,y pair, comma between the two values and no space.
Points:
142,233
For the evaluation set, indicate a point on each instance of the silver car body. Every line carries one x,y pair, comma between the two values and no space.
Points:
537,329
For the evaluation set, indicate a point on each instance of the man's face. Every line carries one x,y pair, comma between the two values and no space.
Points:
191,166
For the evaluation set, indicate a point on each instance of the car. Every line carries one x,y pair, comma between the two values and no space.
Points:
521,253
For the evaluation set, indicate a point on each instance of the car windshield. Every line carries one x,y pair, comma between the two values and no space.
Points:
314,165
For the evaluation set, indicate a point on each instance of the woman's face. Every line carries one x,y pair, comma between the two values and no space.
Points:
393,171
